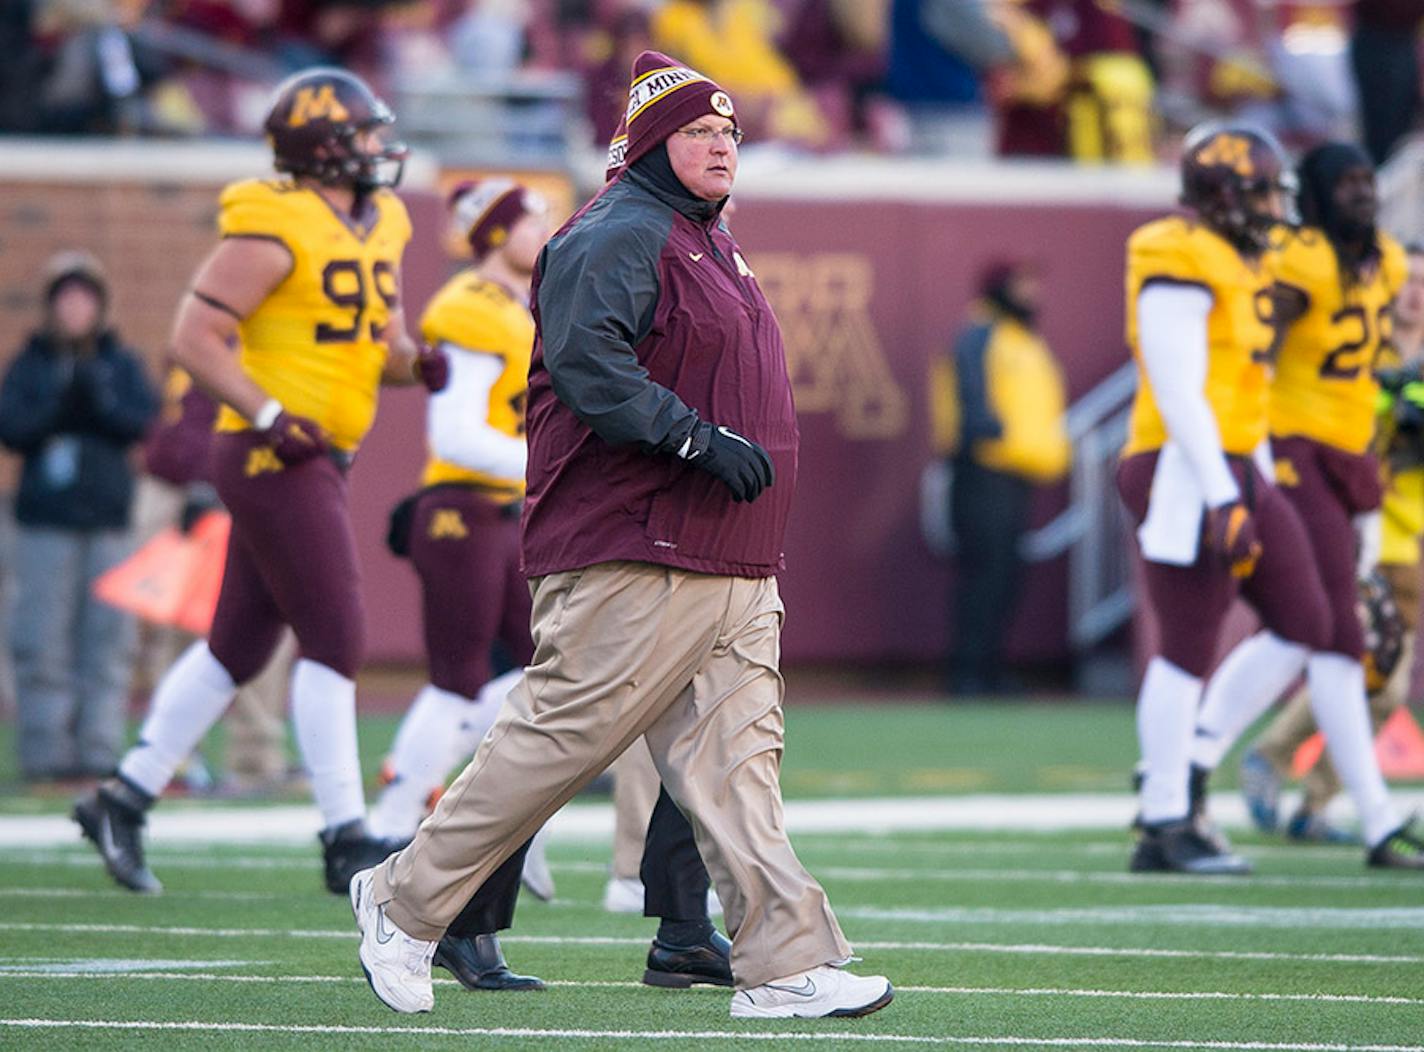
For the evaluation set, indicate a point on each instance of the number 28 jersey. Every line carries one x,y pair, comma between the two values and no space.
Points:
1325,387
314,343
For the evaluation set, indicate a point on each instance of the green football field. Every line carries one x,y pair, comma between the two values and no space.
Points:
1000,937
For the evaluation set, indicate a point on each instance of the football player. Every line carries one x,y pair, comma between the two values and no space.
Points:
305,281
1337,277
1264,766
1199,322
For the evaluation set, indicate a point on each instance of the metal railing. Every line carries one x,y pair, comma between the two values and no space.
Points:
1091,529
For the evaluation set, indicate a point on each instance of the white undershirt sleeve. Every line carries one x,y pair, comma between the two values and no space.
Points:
1172,327
457,423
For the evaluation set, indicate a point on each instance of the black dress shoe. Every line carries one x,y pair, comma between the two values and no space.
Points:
708,962
479,964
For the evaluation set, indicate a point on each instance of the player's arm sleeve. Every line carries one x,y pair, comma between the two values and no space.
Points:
598,292
1172,327
457,421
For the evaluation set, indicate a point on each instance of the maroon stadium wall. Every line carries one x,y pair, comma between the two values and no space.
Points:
867,292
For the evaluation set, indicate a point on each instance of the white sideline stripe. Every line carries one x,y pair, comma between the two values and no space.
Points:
1078,876
1027,949
698,1035
1177,914
974,811
580,984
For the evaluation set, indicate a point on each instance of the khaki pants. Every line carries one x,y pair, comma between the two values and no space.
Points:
623,649
635,794
1296,723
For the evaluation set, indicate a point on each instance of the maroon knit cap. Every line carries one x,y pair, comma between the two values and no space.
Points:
485,211
663,96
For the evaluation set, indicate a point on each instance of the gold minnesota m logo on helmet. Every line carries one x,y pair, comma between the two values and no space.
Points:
1230,151
316,102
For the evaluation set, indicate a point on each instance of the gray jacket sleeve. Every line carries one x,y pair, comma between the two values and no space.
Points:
598,292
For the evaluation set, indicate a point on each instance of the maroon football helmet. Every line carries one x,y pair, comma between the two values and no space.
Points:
315,122
1226,169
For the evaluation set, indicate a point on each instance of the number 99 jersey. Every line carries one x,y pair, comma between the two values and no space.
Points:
1325,369
314,344
1181,251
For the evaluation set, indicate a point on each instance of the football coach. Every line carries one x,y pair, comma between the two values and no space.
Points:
662,460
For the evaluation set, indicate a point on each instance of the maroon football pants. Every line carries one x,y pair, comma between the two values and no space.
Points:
465,547
1190,602
291,560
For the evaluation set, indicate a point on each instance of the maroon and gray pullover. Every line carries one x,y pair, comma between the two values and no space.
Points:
648,321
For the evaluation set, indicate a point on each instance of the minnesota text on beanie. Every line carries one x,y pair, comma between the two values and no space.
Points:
663,96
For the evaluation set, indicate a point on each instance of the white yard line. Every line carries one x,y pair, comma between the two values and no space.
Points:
967,991
973,811
1194,915
1027,949
779,1036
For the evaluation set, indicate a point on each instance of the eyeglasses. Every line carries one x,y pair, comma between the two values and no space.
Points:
732,134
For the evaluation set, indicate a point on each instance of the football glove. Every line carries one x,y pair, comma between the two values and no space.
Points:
1231,532
294,439
431,367
742,465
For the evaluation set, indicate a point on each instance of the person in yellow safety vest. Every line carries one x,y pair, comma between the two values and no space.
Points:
1401,445
998,409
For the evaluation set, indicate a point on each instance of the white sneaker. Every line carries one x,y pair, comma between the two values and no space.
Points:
623,895
396,965
823,991
536,875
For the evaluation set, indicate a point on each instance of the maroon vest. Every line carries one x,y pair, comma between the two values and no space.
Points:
714,342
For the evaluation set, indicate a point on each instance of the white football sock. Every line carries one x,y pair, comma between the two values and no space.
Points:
480,719
189,699
441,730
428,743
1337,697
1166,708
1247,683
324,717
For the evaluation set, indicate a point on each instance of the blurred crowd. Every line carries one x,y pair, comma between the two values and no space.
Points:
1095,80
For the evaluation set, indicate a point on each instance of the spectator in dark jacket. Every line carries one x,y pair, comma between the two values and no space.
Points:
73,402
1385,54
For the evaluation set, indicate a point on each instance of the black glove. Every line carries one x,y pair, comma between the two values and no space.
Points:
741,464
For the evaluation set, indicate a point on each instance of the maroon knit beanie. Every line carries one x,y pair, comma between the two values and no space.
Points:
663,96
485,211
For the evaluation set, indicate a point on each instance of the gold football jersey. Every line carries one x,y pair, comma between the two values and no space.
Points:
483,316
314,343
1324,387
1181,251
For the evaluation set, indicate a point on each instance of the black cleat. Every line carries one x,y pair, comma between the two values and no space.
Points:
347,849
1180,847
479,964
1197,778
112,817
708,962
1402,849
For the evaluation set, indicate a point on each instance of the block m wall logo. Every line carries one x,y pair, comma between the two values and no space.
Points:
835,357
